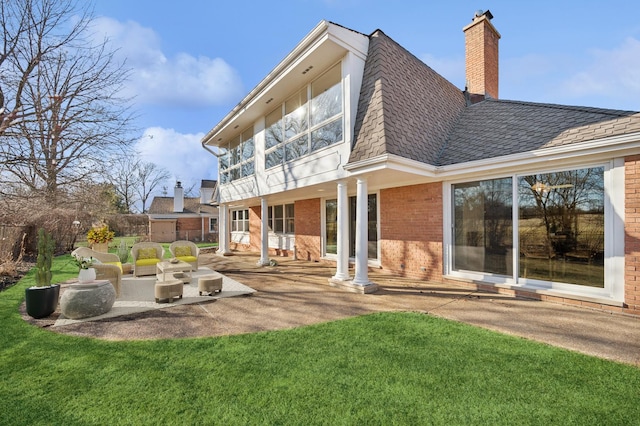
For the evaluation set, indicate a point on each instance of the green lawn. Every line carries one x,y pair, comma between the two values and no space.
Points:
389,368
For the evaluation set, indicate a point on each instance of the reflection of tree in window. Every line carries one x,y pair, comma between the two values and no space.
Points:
483,226
273,134
326,135
562,220
326,93
236,159
296,120
306,125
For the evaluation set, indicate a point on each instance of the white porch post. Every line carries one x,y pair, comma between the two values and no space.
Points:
223,230
362,241
342,240
264,232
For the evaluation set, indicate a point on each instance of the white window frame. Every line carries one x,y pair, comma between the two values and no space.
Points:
272,219
613,290
239,224
310,129
213,225
238,142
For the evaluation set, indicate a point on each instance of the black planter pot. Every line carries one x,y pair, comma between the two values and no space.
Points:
42,301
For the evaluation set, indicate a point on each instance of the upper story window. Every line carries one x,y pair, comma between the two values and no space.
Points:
236,159
309,120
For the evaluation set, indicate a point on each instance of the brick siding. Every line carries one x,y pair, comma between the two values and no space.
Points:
411,231
632,235
308,229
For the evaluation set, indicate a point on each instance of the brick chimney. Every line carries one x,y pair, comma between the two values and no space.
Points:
481,52
178,198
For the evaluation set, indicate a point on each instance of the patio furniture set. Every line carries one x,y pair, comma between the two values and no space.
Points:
96,298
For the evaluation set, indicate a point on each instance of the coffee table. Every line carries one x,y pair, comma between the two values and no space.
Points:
165,267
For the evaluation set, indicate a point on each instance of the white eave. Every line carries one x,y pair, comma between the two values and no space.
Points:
322,47
398,168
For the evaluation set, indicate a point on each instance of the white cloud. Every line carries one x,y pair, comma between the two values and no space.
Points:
182,80
614,73
181,154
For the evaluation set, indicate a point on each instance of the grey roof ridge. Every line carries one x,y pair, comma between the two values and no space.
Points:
586,109
603,111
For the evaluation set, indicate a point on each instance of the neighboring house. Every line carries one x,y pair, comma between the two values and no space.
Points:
352,150
185,218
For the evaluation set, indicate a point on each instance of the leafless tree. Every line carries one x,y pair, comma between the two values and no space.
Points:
151,177
68,120
125,179
31,30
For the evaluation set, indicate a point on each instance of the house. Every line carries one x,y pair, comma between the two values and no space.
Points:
185,218
354,151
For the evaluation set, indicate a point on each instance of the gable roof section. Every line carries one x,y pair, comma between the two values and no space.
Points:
495,128
164,205
405,107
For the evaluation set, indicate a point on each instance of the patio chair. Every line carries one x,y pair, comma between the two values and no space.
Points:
107,266
145,257
185,251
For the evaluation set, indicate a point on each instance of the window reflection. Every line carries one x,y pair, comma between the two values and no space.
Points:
562,226
483,226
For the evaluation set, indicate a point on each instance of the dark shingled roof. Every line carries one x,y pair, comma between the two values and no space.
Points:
405,107
164,205
492,128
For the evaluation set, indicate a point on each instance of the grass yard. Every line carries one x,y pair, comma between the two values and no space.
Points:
389,368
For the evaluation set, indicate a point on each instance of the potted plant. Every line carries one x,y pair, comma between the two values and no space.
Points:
123,255
99,237
86,273
42,299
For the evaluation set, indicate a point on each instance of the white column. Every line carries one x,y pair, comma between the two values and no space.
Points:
362,240
223,230
342,240
264,232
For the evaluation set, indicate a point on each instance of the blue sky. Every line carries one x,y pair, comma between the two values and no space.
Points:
193,61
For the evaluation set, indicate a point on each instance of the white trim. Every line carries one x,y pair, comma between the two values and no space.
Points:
570,154
613,290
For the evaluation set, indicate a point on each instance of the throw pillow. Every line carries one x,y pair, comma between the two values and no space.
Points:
181,251
147,253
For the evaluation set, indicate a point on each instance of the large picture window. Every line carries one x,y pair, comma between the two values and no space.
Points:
483,236
558,232
561,226
309,120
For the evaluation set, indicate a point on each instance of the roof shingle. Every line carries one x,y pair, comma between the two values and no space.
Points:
405,107
493,128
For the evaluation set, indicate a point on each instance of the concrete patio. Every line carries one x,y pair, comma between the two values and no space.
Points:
296,293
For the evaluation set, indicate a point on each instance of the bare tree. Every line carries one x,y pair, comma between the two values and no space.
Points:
151,177
77,120
31,31
125,179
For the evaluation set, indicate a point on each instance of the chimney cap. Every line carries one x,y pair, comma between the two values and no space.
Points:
480,13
